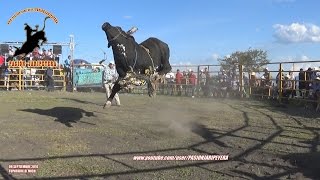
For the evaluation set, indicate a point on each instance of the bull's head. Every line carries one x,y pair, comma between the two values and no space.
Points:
113,33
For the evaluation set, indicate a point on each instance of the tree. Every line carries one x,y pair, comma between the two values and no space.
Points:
252,60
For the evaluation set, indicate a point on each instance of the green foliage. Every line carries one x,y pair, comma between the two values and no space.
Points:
252,60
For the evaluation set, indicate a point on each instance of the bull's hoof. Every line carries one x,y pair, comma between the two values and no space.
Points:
152,93
107,104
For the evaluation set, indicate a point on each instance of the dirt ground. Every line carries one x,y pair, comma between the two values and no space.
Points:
70,136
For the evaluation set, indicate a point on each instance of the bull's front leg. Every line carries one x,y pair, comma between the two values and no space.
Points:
153,80
115,89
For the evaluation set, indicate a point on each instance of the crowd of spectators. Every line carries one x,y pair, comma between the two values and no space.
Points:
36,54
305,85
185,81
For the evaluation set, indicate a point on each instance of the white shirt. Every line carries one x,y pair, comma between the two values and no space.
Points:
109,75
11,53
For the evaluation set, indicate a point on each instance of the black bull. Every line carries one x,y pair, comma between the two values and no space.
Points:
142,62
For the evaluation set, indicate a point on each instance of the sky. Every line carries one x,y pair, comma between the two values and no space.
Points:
197,31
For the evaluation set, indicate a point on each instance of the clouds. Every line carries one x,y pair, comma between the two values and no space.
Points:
284,1
127,17
297,33
215,56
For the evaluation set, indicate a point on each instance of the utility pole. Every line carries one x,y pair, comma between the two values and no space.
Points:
71,47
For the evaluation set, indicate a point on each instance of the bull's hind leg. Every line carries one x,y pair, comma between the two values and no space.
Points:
115,89
156,77
151,88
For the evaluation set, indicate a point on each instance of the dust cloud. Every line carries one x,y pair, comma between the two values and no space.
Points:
179,120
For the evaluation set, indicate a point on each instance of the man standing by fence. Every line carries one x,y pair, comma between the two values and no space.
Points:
67,68
109,77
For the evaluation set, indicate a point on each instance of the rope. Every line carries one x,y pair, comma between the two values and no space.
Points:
148,52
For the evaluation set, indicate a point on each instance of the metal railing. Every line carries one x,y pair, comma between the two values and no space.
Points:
21,75
247,85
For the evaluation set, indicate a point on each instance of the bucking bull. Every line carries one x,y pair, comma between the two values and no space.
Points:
136,64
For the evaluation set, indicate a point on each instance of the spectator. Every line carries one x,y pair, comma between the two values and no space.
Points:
49,79
170,82
308,80
6,77
50,54
11,52
245,80
192,82
2,59
203,78
316,88
286,88
82,65
35,54
14,80
267,76
185,77
179,77
67,68
170,77
109,78
302,82
39,53
206,72
252,80
291,84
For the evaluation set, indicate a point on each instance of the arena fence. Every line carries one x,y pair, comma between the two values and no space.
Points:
281,85
243,83
240,83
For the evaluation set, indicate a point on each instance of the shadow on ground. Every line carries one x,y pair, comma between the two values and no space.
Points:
241,163
305,163
308,163
64,115
293,108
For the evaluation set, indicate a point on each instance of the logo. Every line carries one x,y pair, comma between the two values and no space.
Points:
35,38
43,11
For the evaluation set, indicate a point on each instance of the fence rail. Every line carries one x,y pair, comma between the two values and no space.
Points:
21,75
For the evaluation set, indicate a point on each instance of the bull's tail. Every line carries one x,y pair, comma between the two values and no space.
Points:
44,22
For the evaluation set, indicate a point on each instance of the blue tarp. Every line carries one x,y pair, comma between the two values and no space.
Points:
87,78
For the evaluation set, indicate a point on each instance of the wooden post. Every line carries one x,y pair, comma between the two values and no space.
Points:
250,90
20,77
64,83
72,72
198,82
280,82
241,80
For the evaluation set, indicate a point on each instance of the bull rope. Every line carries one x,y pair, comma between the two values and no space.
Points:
135,59
148,52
